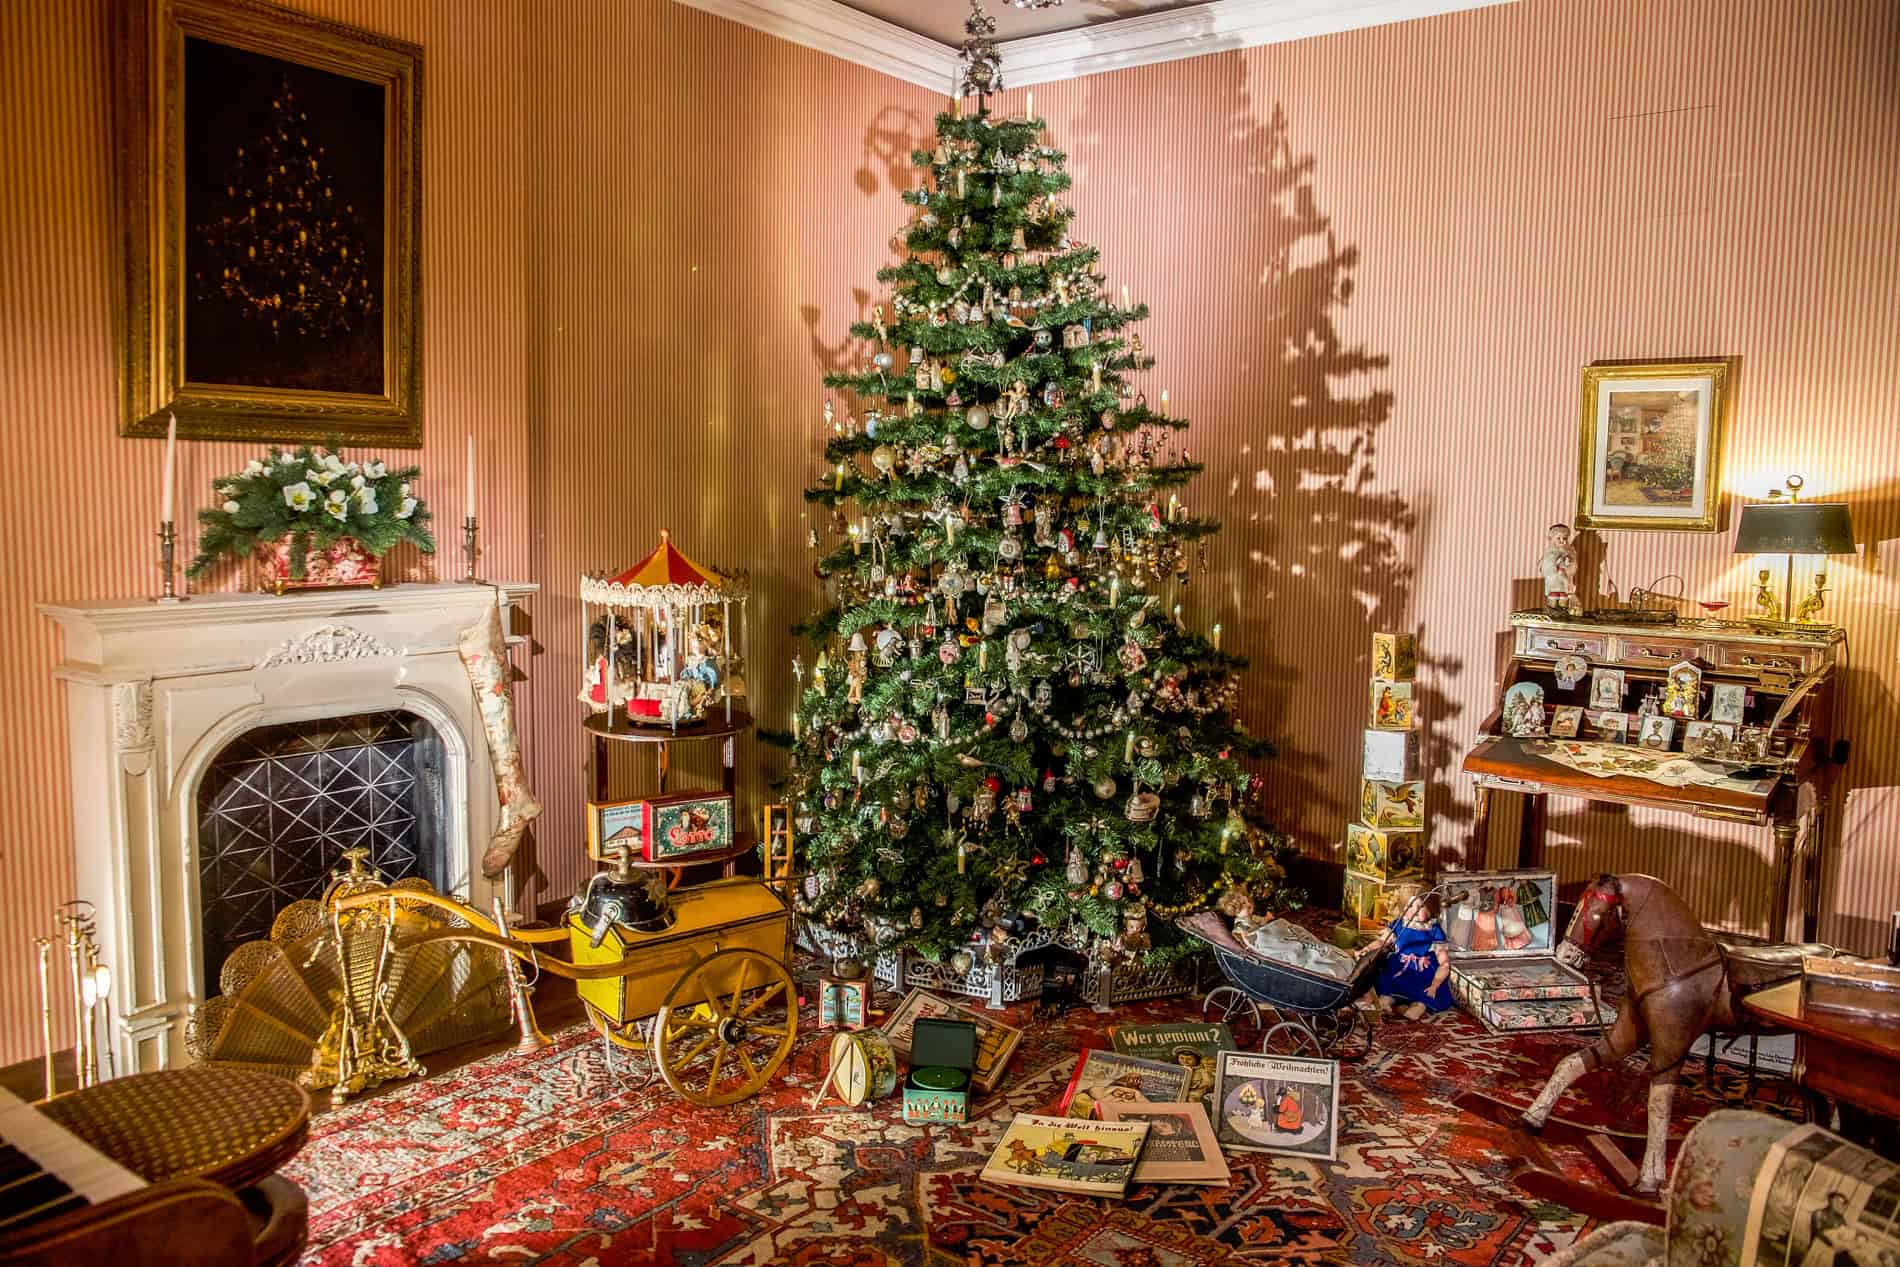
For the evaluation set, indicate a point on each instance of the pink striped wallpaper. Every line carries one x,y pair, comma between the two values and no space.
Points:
1376,261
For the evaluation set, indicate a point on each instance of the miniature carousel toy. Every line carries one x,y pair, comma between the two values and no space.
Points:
659,639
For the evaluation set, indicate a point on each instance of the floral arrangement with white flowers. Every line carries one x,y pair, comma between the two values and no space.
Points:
313,496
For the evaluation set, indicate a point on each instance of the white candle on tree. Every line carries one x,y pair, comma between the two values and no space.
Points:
171,466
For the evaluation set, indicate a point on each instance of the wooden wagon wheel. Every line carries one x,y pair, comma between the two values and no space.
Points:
730,1054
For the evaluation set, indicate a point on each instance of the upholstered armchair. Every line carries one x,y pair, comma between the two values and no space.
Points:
1706,1202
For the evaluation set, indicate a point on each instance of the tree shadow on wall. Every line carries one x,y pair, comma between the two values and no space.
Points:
1313,553
889,140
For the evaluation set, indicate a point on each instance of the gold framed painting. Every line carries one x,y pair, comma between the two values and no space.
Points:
1650,449
271,187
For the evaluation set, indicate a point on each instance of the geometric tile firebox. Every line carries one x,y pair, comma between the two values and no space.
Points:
279,805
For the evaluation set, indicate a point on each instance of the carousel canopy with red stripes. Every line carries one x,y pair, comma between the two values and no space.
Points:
665,578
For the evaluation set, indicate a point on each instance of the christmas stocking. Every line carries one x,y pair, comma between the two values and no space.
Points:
485,656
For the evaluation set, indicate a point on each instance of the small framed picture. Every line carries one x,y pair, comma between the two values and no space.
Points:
1610,727
1674,480
1707,738
1278,1104
1565,721
1657,733
1606,689
1728,701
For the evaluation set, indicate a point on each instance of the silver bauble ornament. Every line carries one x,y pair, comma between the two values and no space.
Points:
977,416
1104,788
884,458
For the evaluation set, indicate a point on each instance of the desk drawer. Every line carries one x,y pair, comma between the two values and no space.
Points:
1550,644
1643,651
1761,659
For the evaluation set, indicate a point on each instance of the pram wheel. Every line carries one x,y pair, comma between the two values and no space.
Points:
1235,1010
1291,1038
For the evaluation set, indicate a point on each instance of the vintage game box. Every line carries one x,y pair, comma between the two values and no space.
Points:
1392,805
942,1056
662,828
995,1041
1501,929
1384,854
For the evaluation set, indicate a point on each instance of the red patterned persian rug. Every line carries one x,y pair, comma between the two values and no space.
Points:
550,1158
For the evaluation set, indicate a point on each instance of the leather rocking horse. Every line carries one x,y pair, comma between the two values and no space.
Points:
1682,984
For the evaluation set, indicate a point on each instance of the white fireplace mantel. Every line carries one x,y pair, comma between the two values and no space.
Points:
154,691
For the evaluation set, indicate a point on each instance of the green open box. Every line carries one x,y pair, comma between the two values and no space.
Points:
938,1043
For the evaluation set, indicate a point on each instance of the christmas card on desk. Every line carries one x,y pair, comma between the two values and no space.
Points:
1181,1147
1093,1159
1105,1075
1194,1045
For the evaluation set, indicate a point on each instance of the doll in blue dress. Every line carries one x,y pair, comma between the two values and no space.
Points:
1417,964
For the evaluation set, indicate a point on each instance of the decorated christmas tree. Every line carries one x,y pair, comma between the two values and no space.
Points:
1004,722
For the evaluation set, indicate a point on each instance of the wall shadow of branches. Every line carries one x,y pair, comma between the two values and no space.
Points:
1314,556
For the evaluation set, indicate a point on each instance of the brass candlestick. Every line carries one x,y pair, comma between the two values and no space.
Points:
167,562
468,549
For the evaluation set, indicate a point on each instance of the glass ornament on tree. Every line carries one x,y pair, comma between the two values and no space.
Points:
1069,747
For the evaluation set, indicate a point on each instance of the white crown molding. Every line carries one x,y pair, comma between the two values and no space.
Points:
838,29
1218,26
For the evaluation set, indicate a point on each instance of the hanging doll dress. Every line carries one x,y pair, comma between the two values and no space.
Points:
1411,964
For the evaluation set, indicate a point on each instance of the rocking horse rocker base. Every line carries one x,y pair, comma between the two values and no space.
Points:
1615,1153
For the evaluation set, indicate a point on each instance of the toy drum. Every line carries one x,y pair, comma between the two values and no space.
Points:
863,1067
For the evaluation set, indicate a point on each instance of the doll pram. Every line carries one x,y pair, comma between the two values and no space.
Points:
1294,1011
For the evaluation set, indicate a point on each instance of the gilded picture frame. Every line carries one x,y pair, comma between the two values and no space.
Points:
1650,443
271,201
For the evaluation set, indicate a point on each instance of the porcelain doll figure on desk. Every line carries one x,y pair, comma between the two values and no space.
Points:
1417,962
1558,566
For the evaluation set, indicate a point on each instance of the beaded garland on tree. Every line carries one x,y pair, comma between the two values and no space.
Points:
1020,728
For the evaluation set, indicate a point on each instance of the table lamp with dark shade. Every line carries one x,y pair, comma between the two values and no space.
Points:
1791,528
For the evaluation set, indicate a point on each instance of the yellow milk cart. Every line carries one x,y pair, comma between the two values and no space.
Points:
695,979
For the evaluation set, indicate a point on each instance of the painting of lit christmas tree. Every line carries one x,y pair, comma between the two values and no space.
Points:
1003,722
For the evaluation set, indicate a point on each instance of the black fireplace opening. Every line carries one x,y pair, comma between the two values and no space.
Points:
280,804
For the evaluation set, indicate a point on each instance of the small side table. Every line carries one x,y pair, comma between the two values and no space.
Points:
1837,1055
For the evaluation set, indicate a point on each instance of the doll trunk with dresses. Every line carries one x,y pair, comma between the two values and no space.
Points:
1501,927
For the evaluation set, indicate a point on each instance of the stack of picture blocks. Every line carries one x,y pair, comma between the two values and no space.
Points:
1385,849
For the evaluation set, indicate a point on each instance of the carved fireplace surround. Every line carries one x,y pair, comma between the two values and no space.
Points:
155,691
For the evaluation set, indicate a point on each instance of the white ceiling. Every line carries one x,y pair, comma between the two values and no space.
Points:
916,40
942,20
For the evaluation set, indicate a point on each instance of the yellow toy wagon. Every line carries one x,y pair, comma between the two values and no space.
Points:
694,980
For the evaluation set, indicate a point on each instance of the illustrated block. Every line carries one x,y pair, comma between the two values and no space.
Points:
1400,805
844,1002
1384,855
1390,705
1391,756
1394,657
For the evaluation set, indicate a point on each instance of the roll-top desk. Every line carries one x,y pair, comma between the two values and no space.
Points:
1790,675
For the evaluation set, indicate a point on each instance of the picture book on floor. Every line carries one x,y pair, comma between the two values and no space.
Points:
1181,1147
1094,1159
1278,1104
1194,1045
1105,1075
